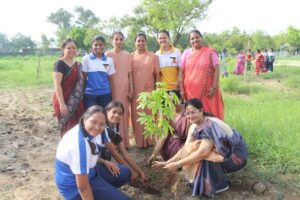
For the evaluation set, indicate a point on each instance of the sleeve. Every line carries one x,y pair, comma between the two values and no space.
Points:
183,59
214,59
178,58
105,137
85,64
58,67
156,64
111,70
130,57
79,158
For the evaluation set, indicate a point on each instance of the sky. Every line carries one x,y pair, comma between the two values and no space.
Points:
29,17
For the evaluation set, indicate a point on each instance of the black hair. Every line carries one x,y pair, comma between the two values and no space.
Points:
197,104
92,110
140,34
195,31
258,50
114,104
64,44
176,92
98,38
88,113
164,31
116,33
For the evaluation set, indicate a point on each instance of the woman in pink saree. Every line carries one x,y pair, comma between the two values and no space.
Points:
200,75
240,65
145,71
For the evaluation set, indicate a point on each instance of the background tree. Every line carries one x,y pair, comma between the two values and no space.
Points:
293,38
4,42
86,18
63,19
175,16
20,41
45,43
78,34
261,40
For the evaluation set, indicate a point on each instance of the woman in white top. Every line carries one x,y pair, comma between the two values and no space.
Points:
78,176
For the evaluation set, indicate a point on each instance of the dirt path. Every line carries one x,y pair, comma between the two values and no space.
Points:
28,139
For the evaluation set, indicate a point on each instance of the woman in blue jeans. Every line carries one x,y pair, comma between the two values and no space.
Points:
80,174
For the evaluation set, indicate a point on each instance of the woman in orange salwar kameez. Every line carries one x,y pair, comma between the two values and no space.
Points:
122,82
200,75
145,71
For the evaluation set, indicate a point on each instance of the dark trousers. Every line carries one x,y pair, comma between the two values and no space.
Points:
104,185
100,100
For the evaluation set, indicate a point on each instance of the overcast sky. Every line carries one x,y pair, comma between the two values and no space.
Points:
29,17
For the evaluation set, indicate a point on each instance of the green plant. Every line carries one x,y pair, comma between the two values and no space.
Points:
162,107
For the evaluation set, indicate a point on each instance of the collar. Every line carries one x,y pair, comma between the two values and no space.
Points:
171,51
93,56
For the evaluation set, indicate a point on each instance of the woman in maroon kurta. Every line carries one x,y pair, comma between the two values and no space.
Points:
172,143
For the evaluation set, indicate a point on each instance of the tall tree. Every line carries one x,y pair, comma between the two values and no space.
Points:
20,41
61,18
4,42
86,18
45,42
261,40
174,15
293,37
78,34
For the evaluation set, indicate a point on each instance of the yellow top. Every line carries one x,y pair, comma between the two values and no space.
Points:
169,67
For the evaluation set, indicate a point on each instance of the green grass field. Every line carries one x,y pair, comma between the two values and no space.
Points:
265,109
22,71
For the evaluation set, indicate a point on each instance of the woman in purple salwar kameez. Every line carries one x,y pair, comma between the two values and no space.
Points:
212,149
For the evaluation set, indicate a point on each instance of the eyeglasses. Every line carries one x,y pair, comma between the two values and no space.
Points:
95,124
192,112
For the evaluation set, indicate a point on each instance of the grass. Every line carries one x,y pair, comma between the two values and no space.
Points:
267,117
22,71
265,109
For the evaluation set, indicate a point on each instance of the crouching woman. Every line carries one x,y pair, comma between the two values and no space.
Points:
78,176
211,150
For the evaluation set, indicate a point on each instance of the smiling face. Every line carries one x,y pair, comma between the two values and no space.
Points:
70,50
163,40
95,124
141,43
98,47
195,40
114,115
194,115
118,41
